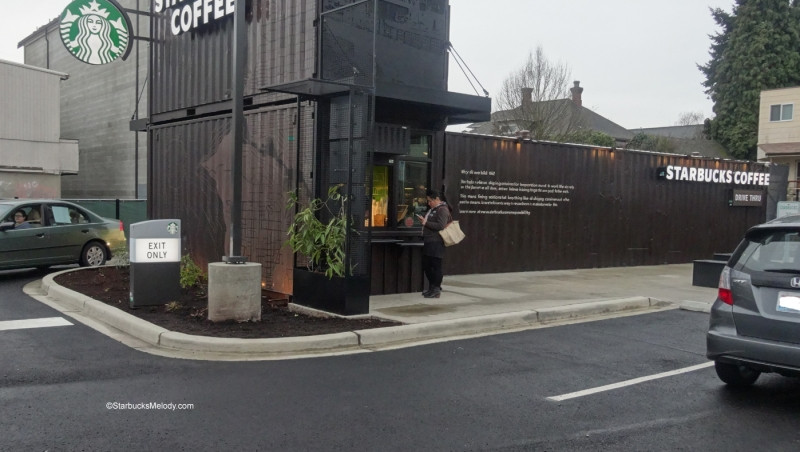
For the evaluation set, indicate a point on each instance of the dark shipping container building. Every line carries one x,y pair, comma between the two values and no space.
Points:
354,93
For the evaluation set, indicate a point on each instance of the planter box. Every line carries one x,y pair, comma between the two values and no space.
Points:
344,296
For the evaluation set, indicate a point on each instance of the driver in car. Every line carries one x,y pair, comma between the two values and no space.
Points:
21,220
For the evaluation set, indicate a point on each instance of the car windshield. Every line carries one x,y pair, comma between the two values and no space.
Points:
773,251
5,209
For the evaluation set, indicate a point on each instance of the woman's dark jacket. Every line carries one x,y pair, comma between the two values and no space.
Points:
438,218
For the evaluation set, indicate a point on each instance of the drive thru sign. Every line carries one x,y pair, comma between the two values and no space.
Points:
157,250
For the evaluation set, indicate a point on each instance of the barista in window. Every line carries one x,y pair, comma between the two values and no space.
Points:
433,248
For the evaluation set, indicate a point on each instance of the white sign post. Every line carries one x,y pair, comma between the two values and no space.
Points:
155,251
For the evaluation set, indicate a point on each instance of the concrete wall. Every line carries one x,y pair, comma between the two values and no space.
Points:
97,104
33,155
29,97
29,185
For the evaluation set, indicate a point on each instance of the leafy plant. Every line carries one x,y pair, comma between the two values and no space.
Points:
191,273
586,136
643,142
321,242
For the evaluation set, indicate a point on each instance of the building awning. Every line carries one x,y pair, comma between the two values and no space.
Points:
780,149
459,108
314,88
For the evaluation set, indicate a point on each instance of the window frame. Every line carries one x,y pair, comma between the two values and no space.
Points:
781,111
393,161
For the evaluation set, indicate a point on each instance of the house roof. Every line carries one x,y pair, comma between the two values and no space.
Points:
693,131
701,146
602,124
687,140
591,120
780,148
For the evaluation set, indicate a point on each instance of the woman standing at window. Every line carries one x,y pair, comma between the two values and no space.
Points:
433,249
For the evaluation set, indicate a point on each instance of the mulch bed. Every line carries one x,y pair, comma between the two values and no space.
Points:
189,313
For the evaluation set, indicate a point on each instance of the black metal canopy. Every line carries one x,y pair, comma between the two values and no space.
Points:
457,107
314,88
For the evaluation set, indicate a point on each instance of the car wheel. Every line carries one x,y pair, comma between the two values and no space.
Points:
93,255
736,374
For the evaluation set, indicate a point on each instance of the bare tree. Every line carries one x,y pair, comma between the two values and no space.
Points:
690,118
535,98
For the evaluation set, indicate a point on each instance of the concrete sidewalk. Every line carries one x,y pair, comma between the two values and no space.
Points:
471,305
485,294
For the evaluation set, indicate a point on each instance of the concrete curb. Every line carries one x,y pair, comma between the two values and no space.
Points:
67,297
445,328
283,345
359,340
696,306
123,321
504,322
574,311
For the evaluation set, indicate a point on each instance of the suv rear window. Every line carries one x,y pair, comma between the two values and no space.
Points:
770,250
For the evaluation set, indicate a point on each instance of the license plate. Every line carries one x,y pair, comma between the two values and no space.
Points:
789,302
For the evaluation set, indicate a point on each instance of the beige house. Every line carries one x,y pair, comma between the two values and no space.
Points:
571,113
779,133
33,156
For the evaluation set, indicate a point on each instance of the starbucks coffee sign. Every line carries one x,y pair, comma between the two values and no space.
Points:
187,15
96,31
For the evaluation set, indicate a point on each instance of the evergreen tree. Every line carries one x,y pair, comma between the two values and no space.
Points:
758,48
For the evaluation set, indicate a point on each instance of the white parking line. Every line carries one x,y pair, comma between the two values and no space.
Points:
585,392
33,323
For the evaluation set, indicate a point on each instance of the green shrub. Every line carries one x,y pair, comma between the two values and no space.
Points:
191,273
323,243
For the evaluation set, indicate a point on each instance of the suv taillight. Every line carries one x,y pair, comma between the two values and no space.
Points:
724,293
121,226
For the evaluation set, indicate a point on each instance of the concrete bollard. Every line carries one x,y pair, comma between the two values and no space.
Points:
234,292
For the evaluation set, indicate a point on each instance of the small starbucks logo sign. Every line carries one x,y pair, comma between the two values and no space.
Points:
172,228
95,31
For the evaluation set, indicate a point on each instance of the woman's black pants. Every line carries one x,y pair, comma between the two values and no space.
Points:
432,267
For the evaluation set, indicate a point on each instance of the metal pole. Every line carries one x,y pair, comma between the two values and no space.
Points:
237,124
299,170
136,114
348,234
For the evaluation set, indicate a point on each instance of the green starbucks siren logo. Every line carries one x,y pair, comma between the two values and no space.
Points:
95,31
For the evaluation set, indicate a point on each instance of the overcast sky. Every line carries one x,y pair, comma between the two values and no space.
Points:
636,59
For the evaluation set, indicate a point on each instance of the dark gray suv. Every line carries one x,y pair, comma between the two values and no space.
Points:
755,321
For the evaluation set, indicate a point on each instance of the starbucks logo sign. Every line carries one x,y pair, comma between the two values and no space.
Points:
95,31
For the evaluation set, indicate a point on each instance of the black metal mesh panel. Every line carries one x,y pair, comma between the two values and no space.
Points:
305,162
347,42
345,163
360,184
346,121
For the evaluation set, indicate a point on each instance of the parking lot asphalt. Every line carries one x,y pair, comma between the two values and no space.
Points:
470,305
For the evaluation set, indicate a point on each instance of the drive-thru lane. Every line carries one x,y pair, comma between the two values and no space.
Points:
18,311
69,388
